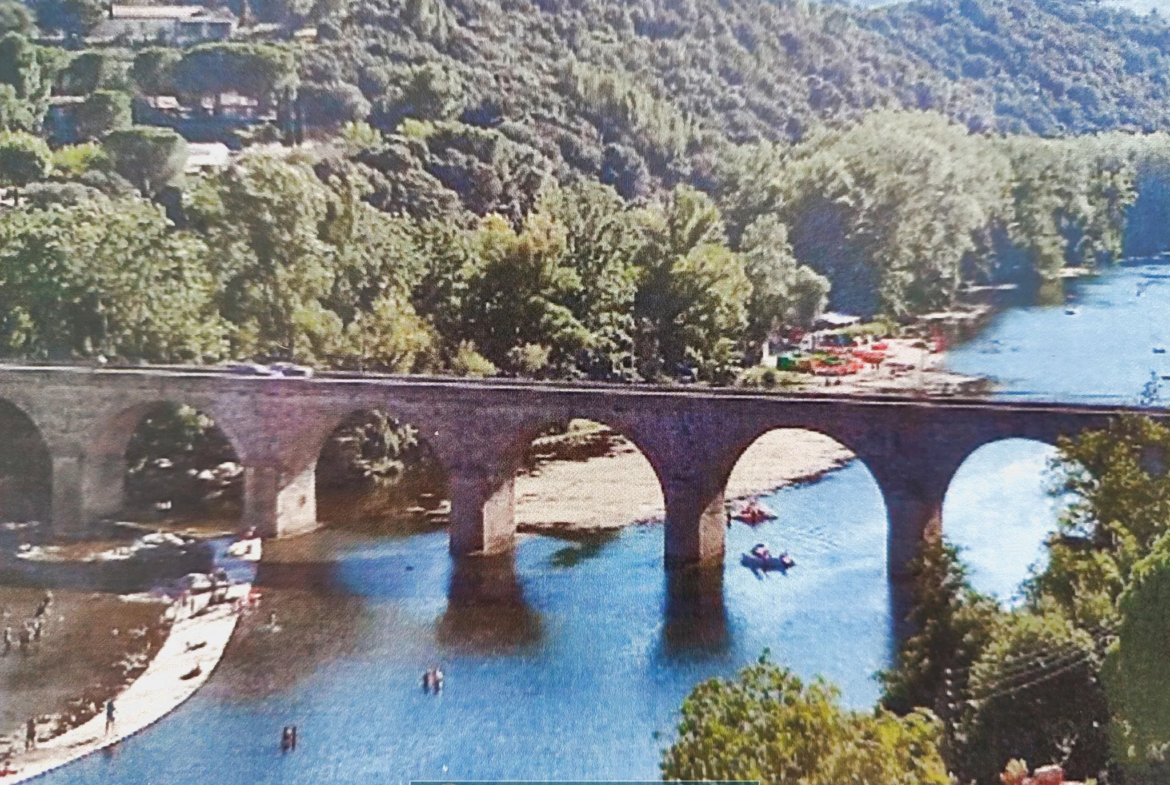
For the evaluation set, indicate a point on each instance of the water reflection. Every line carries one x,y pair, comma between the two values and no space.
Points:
317,621
486,611
695,613
584,546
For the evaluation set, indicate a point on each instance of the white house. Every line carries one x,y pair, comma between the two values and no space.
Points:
165,24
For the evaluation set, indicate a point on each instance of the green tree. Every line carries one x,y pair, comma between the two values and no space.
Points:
1118,496
952,625
24,159
104,276
103,111
693,293
262,71
263,219
28,70
16,18
602,237
784,293
93,70
71,17
152,71
768,726
150,158
1034,694
892,210
1134,673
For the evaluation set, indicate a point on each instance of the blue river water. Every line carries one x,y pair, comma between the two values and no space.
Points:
570,660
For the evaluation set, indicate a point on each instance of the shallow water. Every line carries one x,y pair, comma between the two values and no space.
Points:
575,664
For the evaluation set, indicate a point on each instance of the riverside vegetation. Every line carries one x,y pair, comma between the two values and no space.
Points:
634,191
1074,676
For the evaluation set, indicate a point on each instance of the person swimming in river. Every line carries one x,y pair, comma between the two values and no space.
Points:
433,680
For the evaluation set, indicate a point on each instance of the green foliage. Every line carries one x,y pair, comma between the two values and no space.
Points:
262,218
691,305
152,71
15,18
72,161
94,69
104,276
150,158
103,111
261,71
24,159
952,625
26,79
331,106
468,362
891,209
71,17
784,293
767,726
1033,694
1135,672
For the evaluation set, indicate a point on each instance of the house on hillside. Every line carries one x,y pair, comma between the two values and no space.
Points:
178,25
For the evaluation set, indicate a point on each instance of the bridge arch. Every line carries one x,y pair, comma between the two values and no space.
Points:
375,469
558,488
26,467
124,468
999,509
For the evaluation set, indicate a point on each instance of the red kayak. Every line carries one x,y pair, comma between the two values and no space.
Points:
754,513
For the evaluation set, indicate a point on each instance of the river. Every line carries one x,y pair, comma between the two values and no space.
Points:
571,660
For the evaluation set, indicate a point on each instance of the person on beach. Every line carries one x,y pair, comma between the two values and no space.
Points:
36,629
30,734
109,715
7,640
25,639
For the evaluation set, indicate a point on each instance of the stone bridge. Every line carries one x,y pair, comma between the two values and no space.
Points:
481,429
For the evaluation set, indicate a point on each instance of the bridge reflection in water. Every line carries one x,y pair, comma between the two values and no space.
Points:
486,608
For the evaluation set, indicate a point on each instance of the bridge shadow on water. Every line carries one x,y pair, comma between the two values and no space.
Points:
695,622
487,611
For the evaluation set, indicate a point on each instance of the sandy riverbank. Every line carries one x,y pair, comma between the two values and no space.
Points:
620,488
182,665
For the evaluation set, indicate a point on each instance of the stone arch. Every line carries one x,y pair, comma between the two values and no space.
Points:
104,456
330,477
26,466
611,436
995,535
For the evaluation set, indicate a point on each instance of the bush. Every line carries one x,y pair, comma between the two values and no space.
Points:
766,725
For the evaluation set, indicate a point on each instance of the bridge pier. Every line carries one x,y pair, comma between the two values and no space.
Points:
67,507
915,513
695,522
483,511
103,486
279,503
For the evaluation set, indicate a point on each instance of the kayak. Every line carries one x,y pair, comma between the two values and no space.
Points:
754,514
781,562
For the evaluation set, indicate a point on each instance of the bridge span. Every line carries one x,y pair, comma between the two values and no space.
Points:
480,430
